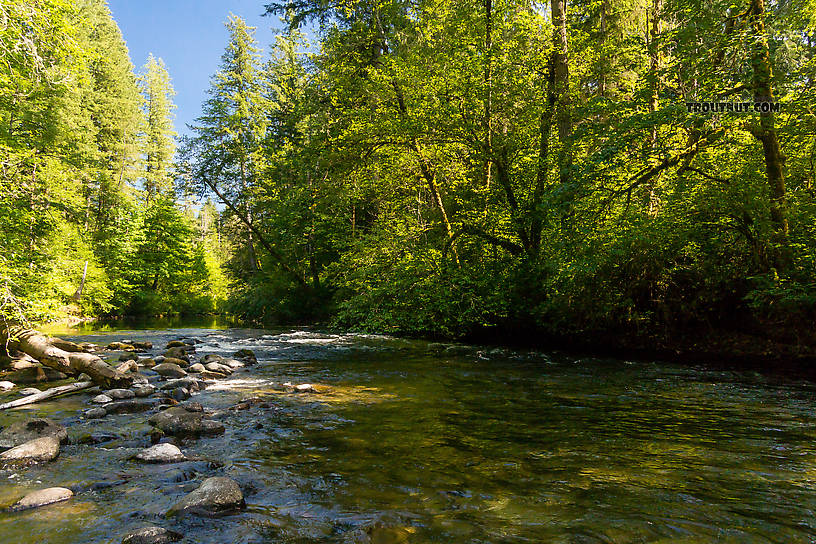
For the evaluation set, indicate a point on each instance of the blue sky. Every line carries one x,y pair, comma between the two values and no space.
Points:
190,36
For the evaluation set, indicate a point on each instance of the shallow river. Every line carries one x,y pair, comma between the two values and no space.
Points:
408,443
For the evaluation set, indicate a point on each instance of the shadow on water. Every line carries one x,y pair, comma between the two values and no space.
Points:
405,443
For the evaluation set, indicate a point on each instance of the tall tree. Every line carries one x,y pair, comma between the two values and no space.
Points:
159,135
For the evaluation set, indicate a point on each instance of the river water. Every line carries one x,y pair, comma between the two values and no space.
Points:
407,442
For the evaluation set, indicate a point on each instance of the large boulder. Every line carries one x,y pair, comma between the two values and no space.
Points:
120,394
218,367
177,421
169,370
39,450
160,453
42,497
151,535
25,431
144,346
216,496
177,353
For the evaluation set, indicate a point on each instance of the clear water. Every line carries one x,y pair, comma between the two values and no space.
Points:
402,444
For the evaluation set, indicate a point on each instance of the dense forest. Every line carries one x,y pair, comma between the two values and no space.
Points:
642,168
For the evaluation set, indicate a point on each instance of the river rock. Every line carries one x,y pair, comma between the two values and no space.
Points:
218,367
151,535
232,363
188,382
35,374
175,344
144,390
119,346
198,367
177,421
101,399
304,388
142,345
169,370
128,357
95,413
25,431
131,406
29,391
177,353
159,359
160,453
42,497
210,375
211,358
216,496
183,363
39,450
180,394
147,363
120,394
7,386
246,355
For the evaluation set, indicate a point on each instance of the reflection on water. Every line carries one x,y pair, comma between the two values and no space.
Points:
403,444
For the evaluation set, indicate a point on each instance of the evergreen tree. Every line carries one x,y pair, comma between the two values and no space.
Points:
159,135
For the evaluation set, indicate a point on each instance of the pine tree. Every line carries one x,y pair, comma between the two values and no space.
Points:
159,135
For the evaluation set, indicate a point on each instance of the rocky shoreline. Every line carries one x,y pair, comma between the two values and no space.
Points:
163,382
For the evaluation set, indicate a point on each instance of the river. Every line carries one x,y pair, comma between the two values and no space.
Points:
409,442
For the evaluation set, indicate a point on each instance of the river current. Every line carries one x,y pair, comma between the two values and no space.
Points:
409,442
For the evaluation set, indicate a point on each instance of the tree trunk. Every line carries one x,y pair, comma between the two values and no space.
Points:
766,133
38,346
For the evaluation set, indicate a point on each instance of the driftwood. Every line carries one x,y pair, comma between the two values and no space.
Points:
38,346
47,394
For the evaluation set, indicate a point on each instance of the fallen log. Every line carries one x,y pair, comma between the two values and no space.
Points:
38,346
47,394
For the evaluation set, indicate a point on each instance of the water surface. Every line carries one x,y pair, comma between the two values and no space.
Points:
407,442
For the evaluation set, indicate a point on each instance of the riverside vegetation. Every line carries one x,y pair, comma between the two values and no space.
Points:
431,168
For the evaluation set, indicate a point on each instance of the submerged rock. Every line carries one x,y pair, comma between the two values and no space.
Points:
25,431
169,370
39,450
160,453
95,413
177,421
246,355
216,496
42,497
131,406
151,535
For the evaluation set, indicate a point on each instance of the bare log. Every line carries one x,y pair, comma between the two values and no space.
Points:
38,346
47,394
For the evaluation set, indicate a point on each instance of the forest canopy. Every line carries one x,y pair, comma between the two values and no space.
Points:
423,167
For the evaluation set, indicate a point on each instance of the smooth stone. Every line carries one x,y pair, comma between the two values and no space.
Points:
101,399
147,363
183,363
180,394
151,535
176,353
169,370
120,394
7,386
215,496
159,359
131,406
189,382
95,413
198,367
247,355
143,345
212,358
29,391
119,346
304,388
21,432
177,421
42,497
144,390
38,450
218,367
212,375
232,363
128,357
160,453
98,438
175,344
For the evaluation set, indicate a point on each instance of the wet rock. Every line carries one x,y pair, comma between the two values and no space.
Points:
29,391
304,388
216,496
212,358
25,431
198,367
218,367
175,344
95,413
207,374
7,386
39,450
189,382
177,353
147,363
140,379
193,407
180,394
151,535
144,390
128,366
160,453
169,370
159,359
119,346
42,497
35,374
101,399
143,345
120,394
232,363
246,355
177,421
128,357
132,406
98,438
183,363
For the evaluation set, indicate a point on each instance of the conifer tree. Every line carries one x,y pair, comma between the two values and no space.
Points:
159,135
